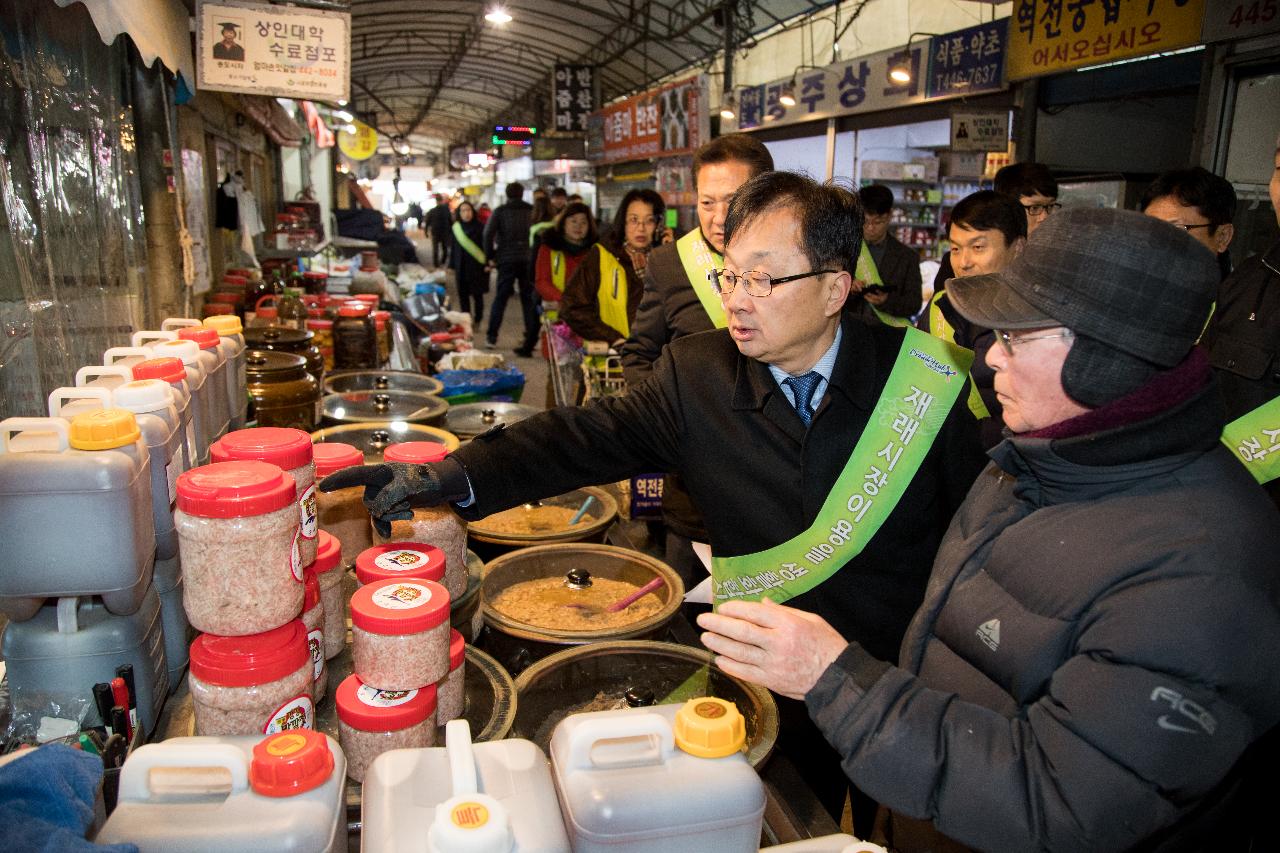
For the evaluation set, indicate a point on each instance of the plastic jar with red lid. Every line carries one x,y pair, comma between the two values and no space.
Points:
237,528
372,721
328,569
400,633
382,324
252,685
313,619
451,693
437,525
400,561
342,511
291,450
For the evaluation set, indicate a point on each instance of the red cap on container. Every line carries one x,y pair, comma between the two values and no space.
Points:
251,660
400,561
310,587
371,710
235,489
316,275
457,649
331,456
238,280
315,313
218,309
243,272
290,762
353,310
169,369
405,606
284,446
223,297
328,553
415,452
381,318
206,338
369,298
441,337
319,323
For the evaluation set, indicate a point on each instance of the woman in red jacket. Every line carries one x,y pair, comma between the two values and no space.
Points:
562,249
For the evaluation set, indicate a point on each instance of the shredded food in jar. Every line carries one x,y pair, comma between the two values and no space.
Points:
550,603
533,520
451,695
361,747
443,528
221,710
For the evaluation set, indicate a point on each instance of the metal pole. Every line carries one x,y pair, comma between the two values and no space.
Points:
831,148
728,8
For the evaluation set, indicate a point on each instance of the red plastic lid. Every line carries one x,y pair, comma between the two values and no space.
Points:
400,561
353,310
243,272
310,587
267,312
372,710
457,649
328,553
251,660
218,309
331,456
284,446
233,278
316,275
169,369
291,762
223,297
367,298
399,606
441,337
207,338
415,452
315,315
235,489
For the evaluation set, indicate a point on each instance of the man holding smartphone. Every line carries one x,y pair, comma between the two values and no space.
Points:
899,266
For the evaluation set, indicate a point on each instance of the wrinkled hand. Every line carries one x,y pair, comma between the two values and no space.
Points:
781,648
392,489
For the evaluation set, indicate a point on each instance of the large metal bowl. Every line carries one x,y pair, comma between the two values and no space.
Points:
381,380
489,541
472,419
373,438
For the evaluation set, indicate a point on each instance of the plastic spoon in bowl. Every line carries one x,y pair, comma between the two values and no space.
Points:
582,510
624,603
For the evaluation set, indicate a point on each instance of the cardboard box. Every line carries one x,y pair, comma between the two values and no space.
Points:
881,170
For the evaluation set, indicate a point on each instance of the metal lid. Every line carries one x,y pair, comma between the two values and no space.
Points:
471,419
276,337
265,362
364,406
374,437
381,380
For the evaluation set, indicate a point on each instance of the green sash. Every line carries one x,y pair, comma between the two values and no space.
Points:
921,389
537,228
867,271
612,293
1255,439
941,329
698,260
467,246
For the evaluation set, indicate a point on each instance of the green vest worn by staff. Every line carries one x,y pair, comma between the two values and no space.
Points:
868,272
612,293
467,246
537,228
941,329
699,259
1255,440
922,387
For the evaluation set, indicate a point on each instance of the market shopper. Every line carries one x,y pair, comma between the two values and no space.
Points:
1094,653
679,300
760,419
899,291
468,262
506,244
559,200
439,221
601,297
560,251
1199,202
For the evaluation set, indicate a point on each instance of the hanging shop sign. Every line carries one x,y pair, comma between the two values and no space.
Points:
664,122
968,61
280,51
360,143
979,130
1049,36
572,97
1225,20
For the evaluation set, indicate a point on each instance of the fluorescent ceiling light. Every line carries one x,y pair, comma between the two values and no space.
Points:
497,15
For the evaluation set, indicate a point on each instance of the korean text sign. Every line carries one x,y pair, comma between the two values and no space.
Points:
280,51
572,97
1047,36
663,122
967,61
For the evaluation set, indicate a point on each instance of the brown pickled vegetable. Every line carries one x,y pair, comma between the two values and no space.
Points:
549,603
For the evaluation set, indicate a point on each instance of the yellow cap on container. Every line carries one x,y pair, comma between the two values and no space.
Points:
104,430
710,728
224,325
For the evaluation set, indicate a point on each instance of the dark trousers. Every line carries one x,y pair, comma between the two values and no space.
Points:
440,249
473,304
511,275
819,765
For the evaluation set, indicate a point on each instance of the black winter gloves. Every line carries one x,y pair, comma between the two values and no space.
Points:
392,489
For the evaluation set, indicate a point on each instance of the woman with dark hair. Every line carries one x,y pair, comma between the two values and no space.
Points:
602,296
562,249
467,260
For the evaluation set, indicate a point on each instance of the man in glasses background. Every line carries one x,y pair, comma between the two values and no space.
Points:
826,454
1199,202
1091,668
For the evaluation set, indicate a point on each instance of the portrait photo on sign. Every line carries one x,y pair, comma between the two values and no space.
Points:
227,47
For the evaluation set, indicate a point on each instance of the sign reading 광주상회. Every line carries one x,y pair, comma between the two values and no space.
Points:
279,51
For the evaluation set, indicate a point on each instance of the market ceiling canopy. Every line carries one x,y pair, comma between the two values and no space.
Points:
442,73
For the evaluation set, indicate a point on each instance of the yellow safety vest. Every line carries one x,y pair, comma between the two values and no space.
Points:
941,329
557,269
612,293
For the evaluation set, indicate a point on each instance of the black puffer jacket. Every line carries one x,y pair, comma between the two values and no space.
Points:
1095,650
506,234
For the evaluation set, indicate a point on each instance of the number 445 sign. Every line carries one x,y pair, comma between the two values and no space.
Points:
1236,19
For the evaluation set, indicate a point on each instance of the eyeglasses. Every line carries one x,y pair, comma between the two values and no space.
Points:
1039,210
1190,227
755,283
1007,340
648,220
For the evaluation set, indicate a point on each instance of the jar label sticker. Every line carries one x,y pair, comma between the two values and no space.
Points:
402,596
400,560
315,642
297,713
307,509
375,698
295,556
469,815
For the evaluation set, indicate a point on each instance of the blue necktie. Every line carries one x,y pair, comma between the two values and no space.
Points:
802,387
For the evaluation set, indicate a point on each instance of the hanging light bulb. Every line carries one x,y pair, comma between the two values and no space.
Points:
788,95
399,206
728,107
497,15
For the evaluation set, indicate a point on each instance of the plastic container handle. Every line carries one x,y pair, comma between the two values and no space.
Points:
588,733
68,618
115,354
141,339
172,323
89,372
135,777
9,426
462,758
59,397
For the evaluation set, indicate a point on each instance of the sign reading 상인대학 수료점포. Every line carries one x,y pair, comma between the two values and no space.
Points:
279,51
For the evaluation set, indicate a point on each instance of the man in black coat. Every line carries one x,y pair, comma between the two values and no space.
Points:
439,221
899,266
506,244
765,421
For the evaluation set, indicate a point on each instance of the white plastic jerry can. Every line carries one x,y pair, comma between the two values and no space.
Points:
494,797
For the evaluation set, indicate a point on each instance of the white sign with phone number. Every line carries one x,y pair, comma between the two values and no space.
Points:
1237,19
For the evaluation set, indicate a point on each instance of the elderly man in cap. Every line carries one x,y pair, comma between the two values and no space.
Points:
1095,654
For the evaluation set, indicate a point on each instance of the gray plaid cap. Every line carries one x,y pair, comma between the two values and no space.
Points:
1126,280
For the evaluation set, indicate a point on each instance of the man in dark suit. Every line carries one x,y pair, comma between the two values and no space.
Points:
899,265
779,425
